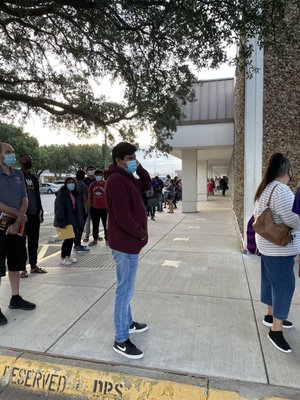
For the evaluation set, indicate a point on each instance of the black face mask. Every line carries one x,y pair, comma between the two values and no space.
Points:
27,165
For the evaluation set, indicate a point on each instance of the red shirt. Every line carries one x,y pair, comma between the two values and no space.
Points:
97,192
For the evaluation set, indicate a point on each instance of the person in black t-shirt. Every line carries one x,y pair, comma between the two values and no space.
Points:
90,178
35,215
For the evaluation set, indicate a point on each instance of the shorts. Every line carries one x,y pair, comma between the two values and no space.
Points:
12,253
170,197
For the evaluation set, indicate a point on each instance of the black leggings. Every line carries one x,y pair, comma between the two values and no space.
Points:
79,231
96,214
66,248
32,231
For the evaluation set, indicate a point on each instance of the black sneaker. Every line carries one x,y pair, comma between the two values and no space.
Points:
3,320
135,327
128,349
268,321
18,302
277,339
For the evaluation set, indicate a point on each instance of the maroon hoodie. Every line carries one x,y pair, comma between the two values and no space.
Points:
127,219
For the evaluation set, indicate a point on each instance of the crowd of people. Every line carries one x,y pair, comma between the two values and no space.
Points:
162,195
122,201
82,201
216,185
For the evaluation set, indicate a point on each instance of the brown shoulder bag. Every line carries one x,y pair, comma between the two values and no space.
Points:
265,226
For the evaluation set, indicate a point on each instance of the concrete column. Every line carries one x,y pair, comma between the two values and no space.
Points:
189,181
202,180
210,172
253,132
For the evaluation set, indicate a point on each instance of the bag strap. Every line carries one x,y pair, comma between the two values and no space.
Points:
268,203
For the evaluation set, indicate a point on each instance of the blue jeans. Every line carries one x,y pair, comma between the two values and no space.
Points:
126,266
159,197
277,283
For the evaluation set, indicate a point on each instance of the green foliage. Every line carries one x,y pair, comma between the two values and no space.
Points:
54,54
22,142
80,156
58,159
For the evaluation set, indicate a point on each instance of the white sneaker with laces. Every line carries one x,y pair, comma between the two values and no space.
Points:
66,261
73,260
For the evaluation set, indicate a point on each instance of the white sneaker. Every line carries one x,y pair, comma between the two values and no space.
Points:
73,260
66,261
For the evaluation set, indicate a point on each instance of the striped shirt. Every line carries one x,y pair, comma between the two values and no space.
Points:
281,206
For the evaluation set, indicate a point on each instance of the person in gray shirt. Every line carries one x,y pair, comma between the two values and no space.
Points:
13,207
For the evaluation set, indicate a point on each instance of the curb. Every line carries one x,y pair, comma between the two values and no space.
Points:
64,378
85,383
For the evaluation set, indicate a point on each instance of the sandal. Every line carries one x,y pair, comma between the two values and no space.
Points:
24,274
38,270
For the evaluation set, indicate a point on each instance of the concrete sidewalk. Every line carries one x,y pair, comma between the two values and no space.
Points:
197,291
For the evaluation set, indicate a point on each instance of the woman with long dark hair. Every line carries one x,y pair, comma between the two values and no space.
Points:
68,211
277,262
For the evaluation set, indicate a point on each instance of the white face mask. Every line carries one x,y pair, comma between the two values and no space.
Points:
91,173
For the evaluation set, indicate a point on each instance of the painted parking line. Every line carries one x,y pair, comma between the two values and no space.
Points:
43,251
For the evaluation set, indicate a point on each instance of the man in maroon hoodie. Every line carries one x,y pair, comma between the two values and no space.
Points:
127,235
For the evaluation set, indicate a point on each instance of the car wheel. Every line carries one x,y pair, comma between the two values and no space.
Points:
49,191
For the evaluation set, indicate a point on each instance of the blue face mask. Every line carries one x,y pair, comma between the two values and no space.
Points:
98,178
71,186
9,159
132,166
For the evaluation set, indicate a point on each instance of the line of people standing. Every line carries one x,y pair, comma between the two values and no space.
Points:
77,203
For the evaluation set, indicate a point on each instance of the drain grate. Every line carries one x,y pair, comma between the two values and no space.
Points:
88,261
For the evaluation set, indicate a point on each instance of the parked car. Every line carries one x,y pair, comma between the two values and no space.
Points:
61,182
49,188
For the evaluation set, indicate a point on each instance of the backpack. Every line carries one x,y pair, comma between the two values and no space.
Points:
251,243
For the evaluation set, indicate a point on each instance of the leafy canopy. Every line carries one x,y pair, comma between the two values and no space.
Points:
55,53
58,159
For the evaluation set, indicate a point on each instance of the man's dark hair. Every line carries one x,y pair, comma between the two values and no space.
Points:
121,150
98,172
80,174
90,166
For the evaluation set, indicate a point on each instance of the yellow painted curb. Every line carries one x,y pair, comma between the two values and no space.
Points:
225,395
87,383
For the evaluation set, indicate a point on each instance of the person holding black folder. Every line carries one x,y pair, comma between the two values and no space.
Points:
68,211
